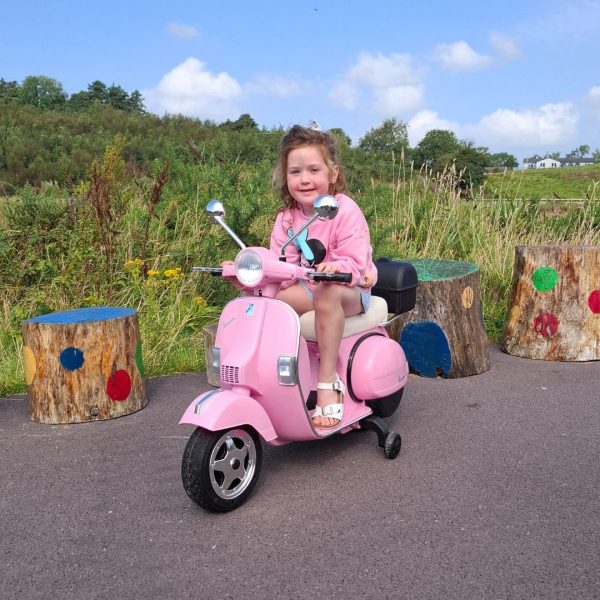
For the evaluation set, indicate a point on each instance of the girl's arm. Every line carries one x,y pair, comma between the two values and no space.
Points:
351,250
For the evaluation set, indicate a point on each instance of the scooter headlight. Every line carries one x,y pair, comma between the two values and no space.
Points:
248,268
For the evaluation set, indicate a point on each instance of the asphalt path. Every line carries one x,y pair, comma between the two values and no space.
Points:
495,495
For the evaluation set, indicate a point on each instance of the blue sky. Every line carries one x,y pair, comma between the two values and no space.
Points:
516,76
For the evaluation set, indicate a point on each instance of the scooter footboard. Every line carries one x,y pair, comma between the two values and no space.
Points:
225,409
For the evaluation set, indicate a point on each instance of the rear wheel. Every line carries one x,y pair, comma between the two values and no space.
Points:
220,468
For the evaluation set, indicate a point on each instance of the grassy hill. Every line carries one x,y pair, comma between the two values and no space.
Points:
536,184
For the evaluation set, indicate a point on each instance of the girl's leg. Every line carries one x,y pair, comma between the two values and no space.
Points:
298,297
333,303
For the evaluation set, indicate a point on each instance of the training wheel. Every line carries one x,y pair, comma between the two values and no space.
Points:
393,443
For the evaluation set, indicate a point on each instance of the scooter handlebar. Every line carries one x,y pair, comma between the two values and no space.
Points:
212,270
331,277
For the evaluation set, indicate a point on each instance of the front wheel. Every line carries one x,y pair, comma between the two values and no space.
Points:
220,468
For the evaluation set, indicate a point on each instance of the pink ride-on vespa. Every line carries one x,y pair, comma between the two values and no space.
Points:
266,358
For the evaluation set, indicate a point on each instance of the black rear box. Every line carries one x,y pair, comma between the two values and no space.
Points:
397,284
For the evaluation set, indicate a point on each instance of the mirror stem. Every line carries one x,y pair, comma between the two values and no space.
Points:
230,231
299,232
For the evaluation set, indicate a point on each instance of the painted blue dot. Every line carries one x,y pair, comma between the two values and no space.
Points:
427,350
71,359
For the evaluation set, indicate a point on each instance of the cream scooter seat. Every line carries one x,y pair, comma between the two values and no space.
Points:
377,314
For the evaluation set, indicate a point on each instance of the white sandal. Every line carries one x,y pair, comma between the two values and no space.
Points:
331,411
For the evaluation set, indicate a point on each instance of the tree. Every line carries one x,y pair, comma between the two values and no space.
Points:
243,122
98,92
596,155
117,97
390,136
10,92
136,102
579,152
341,137
469,164
503,159
436,144
79,101
43,92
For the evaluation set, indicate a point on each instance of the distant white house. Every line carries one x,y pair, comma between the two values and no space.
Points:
553,163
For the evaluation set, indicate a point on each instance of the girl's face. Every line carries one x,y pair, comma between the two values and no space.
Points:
308,176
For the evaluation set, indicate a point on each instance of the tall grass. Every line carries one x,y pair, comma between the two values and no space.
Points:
53,253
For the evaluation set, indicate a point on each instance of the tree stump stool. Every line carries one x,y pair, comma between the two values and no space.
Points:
554,311
444,334
210,333
83,365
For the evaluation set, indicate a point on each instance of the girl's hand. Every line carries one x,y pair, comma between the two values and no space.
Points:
367,280
327,268
234,281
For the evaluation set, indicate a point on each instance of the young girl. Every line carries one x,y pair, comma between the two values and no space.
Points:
308,168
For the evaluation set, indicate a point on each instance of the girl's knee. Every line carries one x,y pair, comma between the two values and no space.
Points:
328,296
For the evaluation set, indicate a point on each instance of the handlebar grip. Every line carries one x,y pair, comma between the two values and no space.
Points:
333,277
212,270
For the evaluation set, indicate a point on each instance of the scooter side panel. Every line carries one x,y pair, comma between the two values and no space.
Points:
225,409
379,368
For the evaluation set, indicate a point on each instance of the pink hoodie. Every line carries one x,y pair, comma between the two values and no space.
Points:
344,240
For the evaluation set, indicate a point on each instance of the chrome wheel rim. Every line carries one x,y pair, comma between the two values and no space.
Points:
232,463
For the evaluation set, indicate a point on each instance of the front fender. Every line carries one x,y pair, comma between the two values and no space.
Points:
226,409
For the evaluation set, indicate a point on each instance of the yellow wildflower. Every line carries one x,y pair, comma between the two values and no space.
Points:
134,265
200,302
153,273
173,274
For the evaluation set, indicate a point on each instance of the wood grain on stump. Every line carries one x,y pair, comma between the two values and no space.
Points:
444,334
83,365
554,311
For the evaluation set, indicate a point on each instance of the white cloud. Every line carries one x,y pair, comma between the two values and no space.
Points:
593,100
543,126
345,95
397,99
279,87
424,121
459,56
190,89
505,47
180,30
389,82
379,71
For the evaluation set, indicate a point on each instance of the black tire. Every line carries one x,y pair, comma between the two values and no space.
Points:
386,407
219,469
393,443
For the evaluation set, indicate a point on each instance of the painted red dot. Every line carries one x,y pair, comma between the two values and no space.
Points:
594,301
546,324
118,385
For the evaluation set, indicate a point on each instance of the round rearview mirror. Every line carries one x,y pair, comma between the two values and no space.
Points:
326,207
215,209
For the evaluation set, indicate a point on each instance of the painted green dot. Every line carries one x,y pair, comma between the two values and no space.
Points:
544,279
138,358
